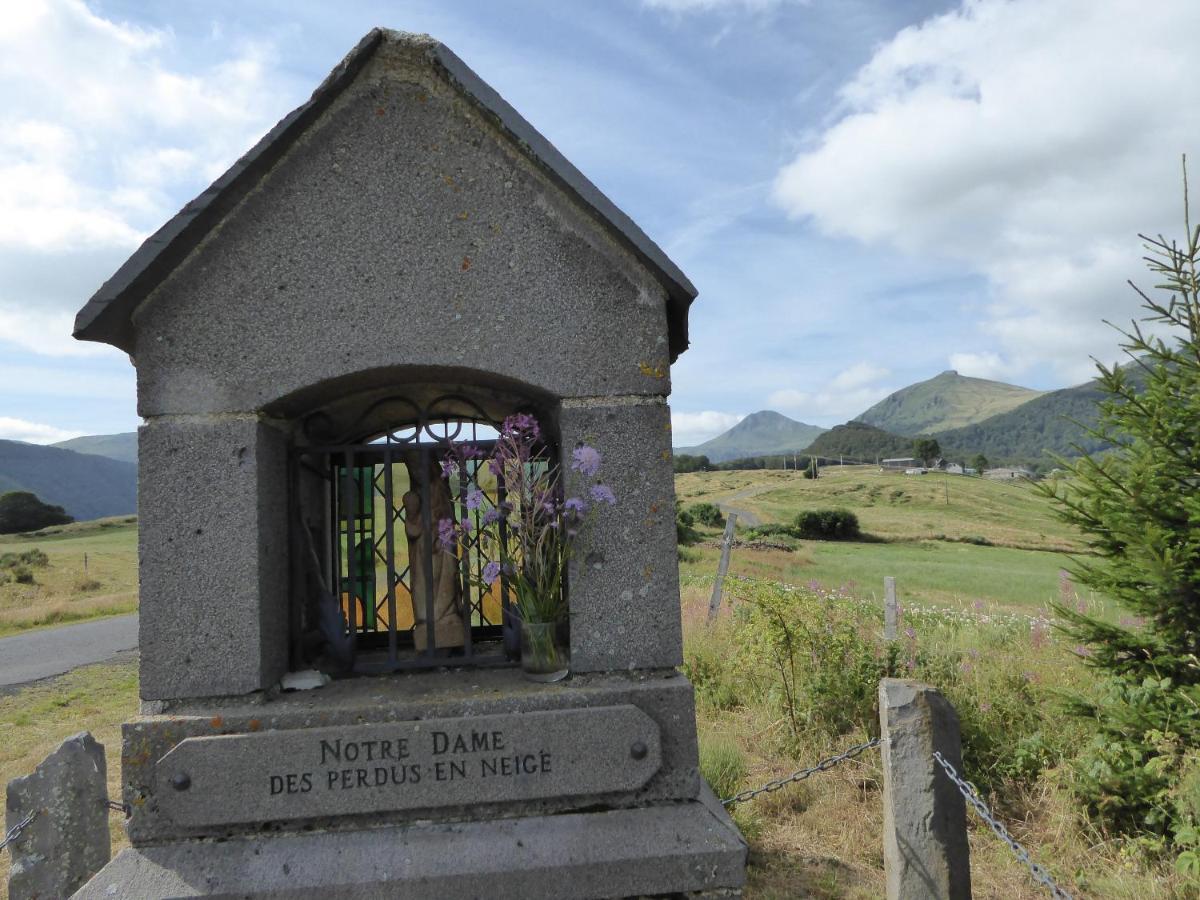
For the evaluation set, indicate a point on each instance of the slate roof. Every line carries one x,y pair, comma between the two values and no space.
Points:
107,316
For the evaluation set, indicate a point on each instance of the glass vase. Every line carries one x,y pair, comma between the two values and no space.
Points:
544,655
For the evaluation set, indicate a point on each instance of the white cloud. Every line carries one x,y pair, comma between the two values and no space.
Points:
858,375
102,131
986,365
33,432
844,396
689,429
1030,139
47,332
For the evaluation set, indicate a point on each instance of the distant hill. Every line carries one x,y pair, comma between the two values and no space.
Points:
860,442
1029,433
759,434
946,401
114,446
86,486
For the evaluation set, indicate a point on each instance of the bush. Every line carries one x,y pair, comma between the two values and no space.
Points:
23,511
708,514
810,660
688,555
827,525
22,574
685,532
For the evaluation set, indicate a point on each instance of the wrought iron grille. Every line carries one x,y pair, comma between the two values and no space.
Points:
403,601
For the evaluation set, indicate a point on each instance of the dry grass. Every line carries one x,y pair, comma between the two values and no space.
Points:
823,837
34,720
64,591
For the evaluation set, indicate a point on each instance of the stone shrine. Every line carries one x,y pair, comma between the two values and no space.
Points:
401,263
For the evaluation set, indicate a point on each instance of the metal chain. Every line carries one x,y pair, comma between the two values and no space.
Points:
803,773
972,796
15,831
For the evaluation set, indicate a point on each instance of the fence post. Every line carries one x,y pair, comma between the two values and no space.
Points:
67,841
890,609
714,604
925,851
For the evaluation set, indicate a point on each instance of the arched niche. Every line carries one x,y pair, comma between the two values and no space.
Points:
372,589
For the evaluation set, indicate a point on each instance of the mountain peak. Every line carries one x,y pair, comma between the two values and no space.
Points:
948,400
762,433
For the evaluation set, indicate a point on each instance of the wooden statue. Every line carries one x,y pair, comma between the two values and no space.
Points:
447,583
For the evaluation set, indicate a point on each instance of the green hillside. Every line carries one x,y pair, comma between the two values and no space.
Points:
860,442
759,434
946,401
1032,431
86,486
114,446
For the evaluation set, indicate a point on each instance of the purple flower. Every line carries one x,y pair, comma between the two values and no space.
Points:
474,499
521,425
575,505
447,535
449,466
602,494
491,572
491,517
586,460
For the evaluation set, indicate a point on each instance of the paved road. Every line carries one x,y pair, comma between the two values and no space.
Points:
53,651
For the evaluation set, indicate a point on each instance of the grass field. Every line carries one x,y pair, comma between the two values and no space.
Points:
893,506
64,591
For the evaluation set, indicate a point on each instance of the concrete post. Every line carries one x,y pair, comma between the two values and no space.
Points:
714,603
925,852
67,841
891,612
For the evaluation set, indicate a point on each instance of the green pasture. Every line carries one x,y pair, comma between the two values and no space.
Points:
66,591
893,506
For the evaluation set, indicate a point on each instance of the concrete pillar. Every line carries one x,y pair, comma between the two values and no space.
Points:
67,841
213,556
925,852
624,581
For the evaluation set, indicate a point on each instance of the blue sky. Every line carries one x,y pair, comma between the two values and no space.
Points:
865,192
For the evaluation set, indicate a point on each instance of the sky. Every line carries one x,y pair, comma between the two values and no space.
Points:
865,192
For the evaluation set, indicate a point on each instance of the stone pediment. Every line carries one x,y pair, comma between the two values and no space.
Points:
377,68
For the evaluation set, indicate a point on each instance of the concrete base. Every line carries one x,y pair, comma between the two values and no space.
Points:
668,849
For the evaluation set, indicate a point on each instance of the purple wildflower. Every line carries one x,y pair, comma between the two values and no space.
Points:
474,499
521,425
492,516
601,493
586,460
575,505
491,572
449,466
447,535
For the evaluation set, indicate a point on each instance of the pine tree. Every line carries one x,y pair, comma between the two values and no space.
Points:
1138,506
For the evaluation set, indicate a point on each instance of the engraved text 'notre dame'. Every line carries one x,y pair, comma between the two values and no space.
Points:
351,765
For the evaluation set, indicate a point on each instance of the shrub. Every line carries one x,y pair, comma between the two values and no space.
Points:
688,555
708,514
685,532
810,659
22,574
23,511
827,524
